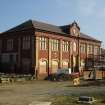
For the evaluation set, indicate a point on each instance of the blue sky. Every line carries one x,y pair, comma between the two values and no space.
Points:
90,14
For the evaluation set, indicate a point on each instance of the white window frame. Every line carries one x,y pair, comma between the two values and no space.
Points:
55,45
43,43
65,46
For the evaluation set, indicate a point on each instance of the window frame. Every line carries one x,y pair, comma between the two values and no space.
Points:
65,46
96,50
82,48
26,42
43,43
90,49
54,44
10,43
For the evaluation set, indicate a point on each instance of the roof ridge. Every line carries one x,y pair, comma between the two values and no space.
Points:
44,23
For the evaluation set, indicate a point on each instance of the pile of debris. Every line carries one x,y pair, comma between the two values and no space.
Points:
9,78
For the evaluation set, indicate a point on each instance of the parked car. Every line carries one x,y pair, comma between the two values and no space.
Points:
64,71
63,75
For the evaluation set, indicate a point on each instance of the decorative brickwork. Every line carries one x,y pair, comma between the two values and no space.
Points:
68,51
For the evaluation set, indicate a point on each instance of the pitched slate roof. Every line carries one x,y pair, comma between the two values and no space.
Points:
82,35
37,25
47,27
23,26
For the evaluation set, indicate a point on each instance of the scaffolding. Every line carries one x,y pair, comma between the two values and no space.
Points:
95,66
95,62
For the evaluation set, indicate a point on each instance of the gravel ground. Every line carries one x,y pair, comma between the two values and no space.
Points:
24,93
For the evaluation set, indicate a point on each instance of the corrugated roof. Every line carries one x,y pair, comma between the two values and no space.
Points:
47,27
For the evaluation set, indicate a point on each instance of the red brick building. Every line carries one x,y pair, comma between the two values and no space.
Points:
40,48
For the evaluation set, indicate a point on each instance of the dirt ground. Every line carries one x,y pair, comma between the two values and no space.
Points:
23,93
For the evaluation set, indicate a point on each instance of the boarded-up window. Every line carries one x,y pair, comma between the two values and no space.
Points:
5,58
42,67
26,65
65,64
54,66
8,58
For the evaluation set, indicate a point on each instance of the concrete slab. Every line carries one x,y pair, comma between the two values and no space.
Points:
40,103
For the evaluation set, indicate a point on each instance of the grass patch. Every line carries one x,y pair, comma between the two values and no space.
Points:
72,100
64,100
